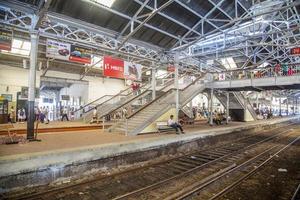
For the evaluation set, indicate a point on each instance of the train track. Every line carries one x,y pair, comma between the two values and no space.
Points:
296,195
235,176
131,184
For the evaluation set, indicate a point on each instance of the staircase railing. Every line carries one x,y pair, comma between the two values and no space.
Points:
242,100
161,96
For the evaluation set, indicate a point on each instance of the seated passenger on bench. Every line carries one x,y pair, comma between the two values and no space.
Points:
175,125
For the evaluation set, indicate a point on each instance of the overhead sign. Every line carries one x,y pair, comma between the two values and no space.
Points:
58,50
65,97
295,51
80,54
132,71
65,51
113,67
5,40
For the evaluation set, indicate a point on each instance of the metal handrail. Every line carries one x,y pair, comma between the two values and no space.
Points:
167,92
136,97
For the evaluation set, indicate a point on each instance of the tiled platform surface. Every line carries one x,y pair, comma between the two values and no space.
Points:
58,150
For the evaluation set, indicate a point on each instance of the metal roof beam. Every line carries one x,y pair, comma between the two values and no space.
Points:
169,18
153,13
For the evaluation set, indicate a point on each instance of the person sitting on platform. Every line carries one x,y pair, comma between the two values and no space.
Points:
175,125
95,116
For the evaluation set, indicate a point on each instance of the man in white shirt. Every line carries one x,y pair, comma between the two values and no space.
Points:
175,125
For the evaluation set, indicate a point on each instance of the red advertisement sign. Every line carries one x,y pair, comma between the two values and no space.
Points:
295,51
5,40
113,67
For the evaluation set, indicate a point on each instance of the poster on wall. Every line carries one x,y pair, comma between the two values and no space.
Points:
8,97
132,71
5,40
58,50
80,54
113,67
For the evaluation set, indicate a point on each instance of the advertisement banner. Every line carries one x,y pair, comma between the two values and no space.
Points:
80,54
5,40
132,71
113,67
295,51
58,50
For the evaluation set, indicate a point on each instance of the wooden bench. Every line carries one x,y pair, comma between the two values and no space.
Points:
8,128
163,127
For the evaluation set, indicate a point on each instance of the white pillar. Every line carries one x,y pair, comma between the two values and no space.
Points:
153,72
31,84
211,106
176,86
280,113
287,106
227,107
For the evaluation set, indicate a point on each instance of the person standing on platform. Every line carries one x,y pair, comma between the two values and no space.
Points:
175,125
19,115
65,114
46,113
12,115
72,114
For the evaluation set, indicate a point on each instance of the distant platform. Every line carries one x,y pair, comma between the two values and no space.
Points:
61,150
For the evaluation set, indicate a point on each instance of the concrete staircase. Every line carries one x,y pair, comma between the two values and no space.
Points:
237,105
149,113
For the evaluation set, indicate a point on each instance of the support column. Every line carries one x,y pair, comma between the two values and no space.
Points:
280,113
297,107
257,100
211,106
153,81
227,107
294,107
287,106
176,86
31,85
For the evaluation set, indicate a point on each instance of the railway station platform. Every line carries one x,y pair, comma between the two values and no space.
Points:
62,156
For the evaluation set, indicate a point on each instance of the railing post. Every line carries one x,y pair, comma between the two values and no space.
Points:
126,128
227,107
103,125
211,107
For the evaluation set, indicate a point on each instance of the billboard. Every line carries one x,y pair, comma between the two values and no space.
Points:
80,54
58,50
113,67
65,51
5,40
132,71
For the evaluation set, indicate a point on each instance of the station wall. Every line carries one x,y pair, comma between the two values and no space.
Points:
12,79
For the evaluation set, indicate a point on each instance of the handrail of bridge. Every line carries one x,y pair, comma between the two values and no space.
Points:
167,84
117,95
242,74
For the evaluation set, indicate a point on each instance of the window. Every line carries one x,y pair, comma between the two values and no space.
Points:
21,47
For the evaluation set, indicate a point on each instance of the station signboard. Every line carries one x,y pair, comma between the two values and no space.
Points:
295,51
113,67
5,40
